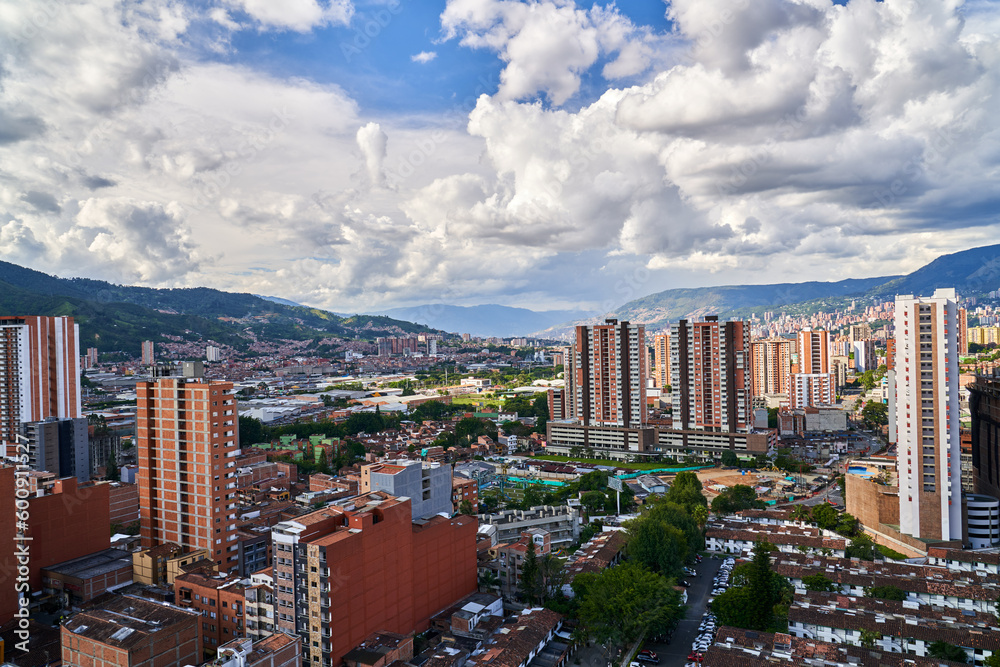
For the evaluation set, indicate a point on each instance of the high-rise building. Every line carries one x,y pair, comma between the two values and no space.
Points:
427,485
187,439
558,407
865,356
393,345
812,390
814,351
861,331
711,387
213,353
963,331
927,416
661,360
363,564
606,383
91,357
59,446
984,405
771,362
148,353
39,372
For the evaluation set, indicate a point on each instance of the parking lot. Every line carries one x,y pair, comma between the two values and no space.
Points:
675,654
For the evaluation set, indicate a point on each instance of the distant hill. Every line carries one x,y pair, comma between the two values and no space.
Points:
973,272
120,317
484,320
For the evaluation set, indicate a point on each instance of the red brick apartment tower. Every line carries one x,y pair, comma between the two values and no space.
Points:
188,439
661,357
771,361
608,378
341,573
812,384
814,351
711,376
8,561
39,371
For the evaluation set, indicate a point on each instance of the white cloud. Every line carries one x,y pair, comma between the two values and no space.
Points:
424,57
373,141
296,15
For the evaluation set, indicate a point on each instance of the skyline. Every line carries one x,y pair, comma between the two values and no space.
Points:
582,148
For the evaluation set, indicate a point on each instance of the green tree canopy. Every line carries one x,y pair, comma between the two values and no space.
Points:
818,582
885,593
622,602
759,597
686,491
861,547
735,499
729,458
944,651
875,415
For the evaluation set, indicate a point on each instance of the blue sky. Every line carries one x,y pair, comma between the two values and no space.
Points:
583,155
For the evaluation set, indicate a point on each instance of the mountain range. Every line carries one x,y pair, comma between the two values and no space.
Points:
485,320
119,317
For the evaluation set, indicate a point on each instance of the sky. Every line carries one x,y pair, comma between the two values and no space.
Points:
357,155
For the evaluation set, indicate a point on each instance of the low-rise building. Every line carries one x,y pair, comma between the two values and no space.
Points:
160,565
464,489
221,602
279,650
561,522
82,579
531,634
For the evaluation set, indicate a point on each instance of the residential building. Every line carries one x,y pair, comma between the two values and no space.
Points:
963,331
813,351
661,360
558,406
129,631
510,556
812,390
160,565
39,372
521,640
213,353
983,520
771,362
219,600
984,404
711,386
464,489
606,382
260,616
927,416
865,355
394,346
279,650
187,440
82,579
91,357
59,446
427,485
862,331
364,565
148,353
8,561
562,523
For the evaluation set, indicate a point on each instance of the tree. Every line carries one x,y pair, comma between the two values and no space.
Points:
700,516
847,525
759,597
885,593
800,513
861,547
593,501
251,431
869,637
465,507
658,546
819,583
738,498
825,516
622,602
488,581
528,585
944,651
729,458
993,660
111,472
686,491
875,415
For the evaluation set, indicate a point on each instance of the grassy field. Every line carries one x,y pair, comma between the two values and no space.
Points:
608,462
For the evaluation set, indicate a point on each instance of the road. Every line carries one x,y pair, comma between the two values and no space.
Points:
675,655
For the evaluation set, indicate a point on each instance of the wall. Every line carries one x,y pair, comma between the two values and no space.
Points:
124,503
8,562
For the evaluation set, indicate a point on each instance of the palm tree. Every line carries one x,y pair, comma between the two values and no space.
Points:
488,581
800,513
700,515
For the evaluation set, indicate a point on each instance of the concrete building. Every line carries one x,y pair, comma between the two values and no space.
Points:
858,332
187,440
562,523
984,405
279,650
39,372
148,353
558,406
213,353
131,632
510,556
927,416
865,356
83,579
711,387
364,565
606,382
427,485
983,518
395,346
160,565
771,364
661,360
219,600
812,390
59,446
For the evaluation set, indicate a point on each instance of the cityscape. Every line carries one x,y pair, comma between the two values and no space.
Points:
514,333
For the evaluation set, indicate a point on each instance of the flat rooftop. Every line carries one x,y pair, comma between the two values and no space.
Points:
93,565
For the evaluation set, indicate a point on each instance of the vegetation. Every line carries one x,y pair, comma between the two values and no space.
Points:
875,415
620,603
819,583
944,651
730,459
738,498
890,553
861,547
885,593
608,462
759,598
664,537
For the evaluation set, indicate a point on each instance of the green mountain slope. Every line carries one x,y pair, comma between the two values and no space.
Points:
119,317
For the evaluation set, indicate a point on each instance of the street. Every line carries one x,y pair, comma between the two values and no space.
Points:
675,655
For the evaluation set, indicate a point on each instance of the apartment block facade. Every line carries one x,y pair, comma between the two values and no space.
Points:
364,565
39,372
606,382
427,485
812,390
188,438
771,362
711,380
927,416
661,360
59,446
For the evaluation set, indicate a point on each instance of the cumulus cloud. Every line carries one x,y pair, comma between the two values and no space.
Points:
423,57
372,141
294,15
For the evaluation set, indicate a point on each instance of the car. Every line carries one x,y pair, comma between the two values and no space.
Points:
686,584
648,659
646,651
693,655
